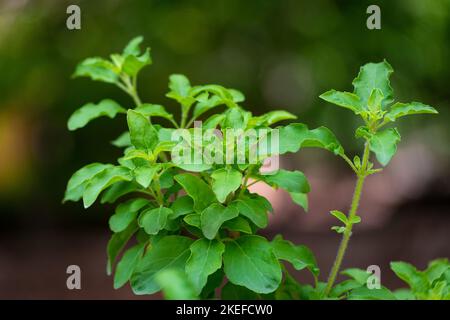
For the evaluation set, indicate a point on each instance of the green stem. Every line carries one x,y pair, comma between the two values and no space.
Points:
362,174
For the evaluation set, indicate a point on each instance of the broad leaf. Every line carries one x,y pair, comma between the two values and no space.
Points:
299,256
127,264
364,293
182,206
250,262
291,181
197,189
238,224
126,213
225,181
118,190
154,220
343,99
175,285
233,292
253,210
384,144
399,109
97,69
90,111
153,110
142,134
171,252
102,180
214,216
144,174
374,76
205,259
300,198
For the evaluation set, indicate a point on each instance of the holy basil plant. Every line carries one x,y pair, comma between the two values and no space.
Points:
186,222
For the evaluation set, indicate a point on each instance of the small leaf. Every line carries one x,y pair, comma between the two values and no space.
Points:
133,64
90,111
205,259
339,215
291,181
153,110
250,262
375,99
225,181
197,189
193,219
102,180
97,69
207,104
142,134
214,216
238,224
126,213
180,90
355,219
144,175
374,76
118,190
338,229
399,110
384,144
79,180
117,243
252,209
301,199
171,252
122,141
343,99
132,48
127,264
154,220
270,118
358,275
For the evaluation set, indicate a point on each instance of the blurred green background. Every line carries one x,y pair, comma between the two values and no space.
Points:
281,54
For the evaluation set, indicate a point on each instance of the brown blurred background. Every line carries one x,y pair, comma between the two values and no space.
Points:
281,54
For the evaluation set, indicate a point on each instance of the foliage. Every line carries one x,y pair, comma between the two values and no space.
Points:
186,228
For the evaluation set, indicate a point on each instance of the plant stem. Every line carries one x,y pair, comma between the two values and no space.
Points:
362,174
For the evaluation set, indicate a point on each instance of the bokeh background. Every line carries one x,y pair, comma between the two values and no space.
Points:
282,54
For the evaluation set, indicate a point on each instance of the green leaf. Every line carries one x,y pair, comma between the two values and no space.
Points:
338,229
126,213
225,181
213,121
343,99
144,175
117,243
375,99
182,206
340,216
142,134
132,48
153,110
436,269
344,287
77,183
236,118
399,110
97,69
206,104
250,262
180,90
133,64
205,259
175,285
238,224
214,216
408,273
90,111
358,275
384,144
118,190
193,219
197,189
301,199
374,76
291,181
127,264
253,210
299,256
270,118
364,293
297,135
122,141
234,292
171,252
154,220
102,180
